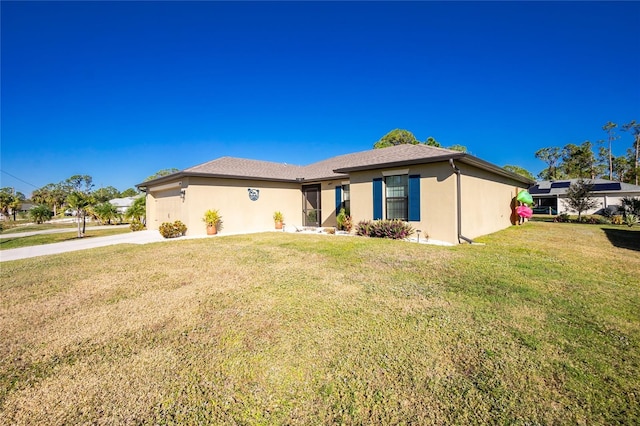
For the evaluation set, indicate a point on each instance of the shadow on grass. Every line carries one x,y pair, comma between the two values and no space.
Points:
624,238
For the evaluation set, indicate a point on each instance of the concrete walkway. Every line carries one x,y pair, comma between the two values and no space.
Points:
58,231
140,237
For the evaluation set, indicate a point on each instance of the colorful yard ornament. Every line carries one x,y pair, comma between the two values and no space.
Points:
524,211
525,198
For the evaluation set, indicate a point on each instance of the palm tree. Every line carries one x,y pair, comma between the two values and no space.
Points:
79,201
105,212
137,210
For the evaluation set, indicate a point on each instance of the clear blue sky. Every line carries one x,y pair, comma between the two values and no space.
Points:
120,90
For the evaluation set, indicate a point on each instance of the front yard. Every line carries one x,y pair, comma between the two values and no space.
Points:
539,326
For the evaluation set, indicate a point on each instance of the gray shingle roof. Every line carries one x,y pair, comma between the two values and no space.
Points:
331,168
245,168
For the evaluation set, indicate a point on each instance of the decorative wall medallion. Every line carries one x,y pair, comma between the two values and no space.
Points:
254,194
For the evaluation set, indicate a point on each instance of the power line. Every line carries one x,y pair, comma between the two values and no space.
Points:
21,180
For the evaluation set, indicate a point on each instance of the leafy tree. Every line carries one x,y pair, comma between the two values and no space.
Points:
396,137
137,210
431,141
40,214
457,147
609,128
163,172
519,170
579,197
105,194
52,195
550,156
129,192
80,201
634,128
578,161
80,183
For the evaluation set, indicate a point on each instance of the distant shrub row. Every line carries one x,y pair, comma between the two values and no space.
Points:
172,230
393,229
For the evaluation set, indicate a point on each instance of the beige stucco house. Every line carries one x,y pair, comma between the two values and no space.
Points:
449,195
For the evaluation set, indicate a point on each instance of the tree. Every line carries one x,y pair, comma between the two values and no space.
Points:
105,212
396,137
40,214
160,173
579,197
129,192
578,161
520,171
80,183
105,194
8,201
431,141
137,210
550,156
634,128
80,201
611,136
457,147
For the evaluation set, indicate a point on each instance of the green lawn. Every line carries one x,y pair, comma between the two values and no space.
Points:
35,240
539,326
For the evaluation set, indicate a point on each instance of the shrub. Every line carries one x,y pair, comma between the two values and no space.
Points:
562,218
173,230
344,221
630,219
136,225
40,214
330,230
617,219
393,229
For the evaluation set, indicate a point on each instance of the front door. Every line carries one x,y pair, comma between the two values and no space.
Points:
311,205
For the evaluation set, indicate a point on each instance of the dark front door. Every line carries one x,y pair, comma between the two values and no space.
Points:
311,205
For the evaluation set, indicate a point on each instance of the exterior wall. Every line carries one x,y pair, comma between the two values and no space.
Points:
438,218
486,201
164,205
239,213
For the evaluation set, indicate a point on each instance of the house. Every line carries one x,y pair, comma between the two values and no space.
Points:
122,204
449,195
552,195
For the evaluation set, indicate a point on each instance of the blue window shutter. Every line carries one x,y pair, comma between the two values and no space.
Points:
377,198
338,198
414,198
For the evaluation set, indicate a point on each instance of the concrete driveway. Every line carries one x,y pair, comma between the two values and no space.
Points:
140,237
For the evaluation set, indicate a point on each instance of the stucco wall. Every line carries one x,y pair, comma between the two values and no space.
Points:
437,199
486,201
164,205
239,212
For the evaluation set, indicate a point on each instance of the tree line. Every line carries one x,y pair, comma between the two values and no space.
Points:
76,193
589,161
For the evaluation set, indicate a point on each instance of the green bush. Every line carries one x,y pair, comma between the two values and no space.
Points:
40,214
173,230
562,218
393,229
136,225
344,221
630,219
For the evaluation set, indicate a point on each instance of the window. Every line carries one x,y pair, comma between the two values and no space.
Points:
346,199
397,197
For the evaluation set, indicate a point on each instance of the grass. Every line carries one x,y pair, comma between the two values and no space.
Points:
11,227
35,240
539,326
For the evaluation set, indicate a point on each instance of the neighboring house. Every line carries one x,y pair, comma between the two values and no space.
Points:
553,194
122,204
449,195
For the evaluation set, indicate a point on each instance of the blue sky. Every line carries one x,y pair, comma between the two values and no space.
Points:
120,90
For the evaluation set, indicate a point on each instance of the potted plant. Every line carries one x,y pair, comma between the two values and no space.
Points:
278,218
212,218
